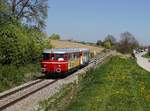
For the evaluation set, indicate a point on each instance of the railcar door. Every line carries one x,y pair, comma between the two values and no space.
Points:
81,58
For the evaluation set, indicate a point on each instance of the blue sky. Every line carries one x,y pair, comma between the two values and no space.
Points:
91,20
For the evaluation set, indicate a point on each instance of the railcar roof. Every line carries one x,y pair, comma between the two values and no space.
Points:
66,50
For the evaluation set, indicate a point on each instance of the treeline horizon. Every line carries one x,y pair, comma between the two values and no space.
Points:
126,44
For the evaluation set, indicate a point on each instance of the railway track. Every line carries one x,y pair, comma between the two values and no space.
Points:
11,97
17,94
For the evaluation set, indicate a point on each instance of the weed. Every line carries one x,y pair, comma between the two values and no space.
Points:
11,76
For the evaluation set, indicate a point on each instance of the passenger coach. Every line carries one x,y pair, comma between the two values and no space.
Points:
64,60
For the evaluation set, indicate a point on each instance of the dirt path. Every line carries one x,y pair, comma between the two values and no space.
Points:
143,62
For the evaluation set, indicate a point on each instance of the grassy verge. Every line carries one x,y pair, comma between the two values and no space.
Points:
118,85
11,76
146,56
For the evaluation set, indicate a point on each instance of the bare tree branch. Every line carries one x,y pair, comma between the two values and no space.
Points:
32,12
13,6
20,13
19,2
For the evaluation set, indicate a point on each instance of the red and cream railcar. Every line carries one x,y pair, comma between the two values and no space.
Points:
63,60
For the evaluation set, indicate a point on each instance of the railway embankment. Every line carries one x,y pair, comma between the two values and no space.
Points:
28,98
117,85
61,99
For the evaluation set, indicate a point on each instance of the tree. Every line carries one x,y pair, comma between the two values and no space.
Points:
55,37
29,11
2,5
21,45
149,50
127,43
3,8
111,39
99,42
107,45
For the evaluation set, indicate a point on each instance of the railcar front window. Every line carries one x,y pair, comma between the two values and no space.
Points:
59,56
52,57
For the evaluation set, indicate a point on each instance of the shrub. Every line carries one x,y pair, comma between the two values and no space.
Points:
127,43
111,39
38,41
14,45
11,75
20,45
149,50
99,42
55,37
107,45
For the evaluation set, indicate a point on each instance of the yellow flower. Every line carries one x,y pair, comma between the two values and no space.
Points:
117,92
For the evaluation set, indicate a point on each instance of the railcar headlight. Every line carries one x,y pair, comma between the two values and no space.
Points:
58,65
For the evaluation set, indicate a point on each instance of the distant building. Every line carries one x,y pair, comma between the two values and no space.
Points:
146,49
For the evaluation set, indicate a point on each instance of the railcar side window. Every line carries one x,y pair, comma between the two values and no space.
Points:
72,56
46,56
65,57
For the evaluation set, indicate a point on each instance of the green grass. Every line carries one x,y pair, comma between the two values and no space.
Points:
119,85
147,56
11,76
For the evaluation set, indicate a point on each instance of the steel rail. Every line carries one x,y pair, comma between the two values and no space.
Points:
20,88
15,100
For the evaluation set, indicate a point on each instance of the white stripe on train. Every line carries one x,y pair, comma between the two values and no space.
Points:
55,62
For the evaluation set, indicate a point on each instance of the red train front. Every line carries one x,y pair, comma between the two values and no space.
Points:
54,62
63,60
